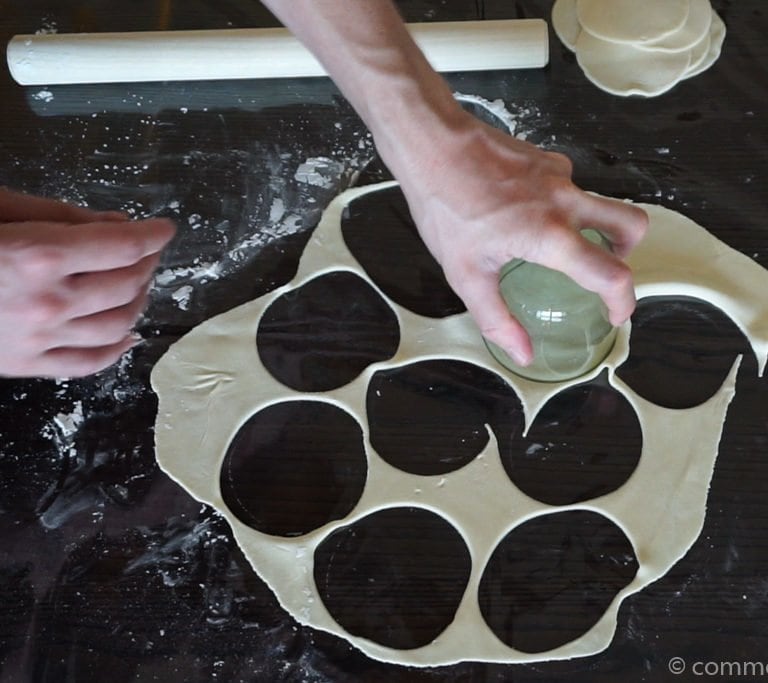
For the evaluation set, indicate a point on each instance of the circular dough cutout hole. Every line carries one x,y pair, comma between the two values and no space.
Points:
429,418
383,238
323,334
293,467
585,443
553,577
395,577
688,342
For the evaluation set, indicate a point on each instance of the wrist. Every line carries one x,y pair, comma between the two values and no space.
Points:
415,131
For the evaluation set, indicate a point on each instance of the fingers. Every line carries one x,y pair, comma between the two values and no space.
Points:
480,294
559,164
79,362
47,252
110,245
88,293
71,293
623,224
17,207
592,267
83,345
101,329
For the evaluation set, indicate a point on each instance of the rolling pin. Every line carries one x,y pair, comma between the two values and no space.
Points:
58,59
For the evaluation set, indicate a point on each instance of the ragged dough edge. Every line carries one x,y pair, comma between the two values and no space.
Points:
212,380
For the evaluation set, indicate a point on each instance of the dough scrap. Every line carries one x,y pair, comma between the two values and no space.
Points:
632,21
212,380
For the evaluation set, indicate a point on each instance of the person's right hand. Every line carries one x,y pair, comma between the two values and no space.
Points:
72,284
482,198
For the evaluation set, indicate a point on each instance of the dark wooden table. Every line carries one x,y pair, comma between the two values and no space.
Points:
110,572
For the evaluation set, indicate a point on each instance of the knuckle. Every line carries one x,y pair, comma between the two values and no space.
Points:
39,262
556,230
491,332
564,163
37,342
642,222
561,190
619,278
45,309
134,245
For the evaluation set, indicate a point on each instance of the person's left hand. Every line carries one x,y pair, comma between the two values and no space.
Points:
72,284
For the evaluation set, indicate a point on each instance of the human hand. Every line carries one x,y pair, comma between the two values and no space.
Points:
72,284
482,198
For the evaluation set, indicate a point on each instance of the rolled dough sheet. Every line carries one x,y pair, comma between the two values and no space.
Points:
212,381
632,21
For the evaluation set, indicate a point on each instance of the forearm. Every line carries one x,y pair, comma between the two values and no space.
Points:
367,50
479,197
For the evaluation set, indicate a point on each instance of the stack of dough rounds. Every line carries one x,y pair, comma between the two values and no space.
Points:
639,47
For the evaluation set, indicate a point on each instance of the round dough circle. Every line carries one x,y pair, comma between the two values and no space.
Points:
622,69
699,54
714,43
565,22
632,21
694,30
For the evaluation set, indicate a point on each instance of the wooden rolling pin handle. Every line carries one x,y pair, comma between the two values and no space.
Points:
57,59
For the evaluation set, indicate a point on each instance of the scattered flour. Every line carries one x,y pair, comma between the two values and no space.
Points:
320,171
43,96
524,120
277,211
68,423
199,272
183,296
49,27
